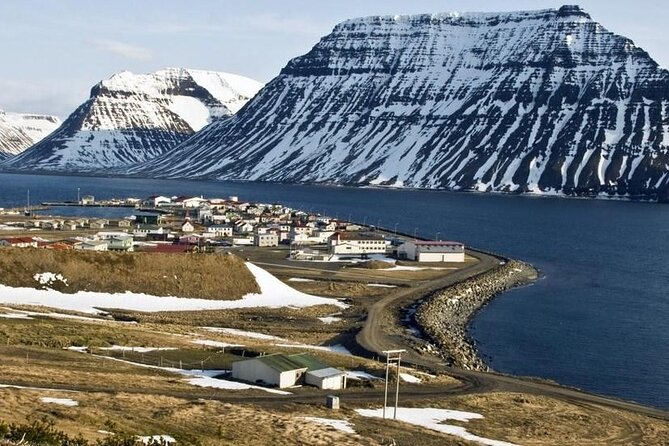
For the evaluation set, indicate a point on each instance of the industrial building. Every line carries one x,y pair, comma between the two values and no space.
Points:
357,243
432,251
289,370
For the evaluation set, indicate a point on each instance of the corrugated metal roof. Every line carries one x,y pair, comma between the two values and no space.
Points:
280,362
326,373
308,361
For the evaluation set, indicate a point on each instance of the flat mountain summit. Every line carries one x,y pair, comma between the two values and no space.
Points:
544,101
130,118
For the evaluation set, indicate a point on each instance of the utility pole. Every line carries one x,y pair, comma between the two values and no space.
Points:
436,237
393,357
78,195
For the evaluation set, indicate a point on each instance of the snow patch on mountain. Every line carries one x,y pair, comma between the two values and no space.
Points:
20,131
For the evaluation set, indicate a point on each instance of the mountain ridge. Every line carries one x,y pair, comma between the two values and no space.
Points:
18,131
130,118
544,101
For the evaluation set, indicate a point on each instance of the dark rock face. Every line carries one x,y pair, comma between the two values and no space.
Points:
542,101
132,118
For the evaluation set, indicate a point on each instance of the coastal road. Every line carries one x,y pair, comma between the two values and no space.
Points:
381,315
379,333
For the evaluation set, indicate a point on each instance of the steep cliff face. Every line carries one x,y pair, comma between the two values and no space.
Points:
20,131
131,118
541,101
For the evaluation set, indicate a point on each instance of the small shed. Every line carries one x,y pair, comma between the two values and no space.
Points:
328,378
320,374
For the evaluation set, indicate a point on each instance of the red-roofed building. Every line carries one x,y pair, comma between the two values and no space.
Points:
19,242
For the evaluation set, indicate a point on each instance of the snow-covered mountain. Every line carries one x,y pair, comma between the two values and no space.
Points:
131,118
542,101
19,131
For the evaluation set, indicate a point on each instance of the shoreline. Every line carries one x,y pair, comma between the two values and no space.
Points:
650,198
444,315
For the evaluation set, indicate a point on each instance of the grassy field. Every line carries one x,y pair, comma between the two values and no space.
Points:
132,400
206,276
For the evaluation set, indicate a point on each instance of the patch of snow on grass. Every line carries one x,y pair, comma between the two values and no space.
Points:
49,278
339,349
329,319
78,348
243,333
210,343
300,279
168,439
381,285
409,378
60,401
433,419
217,383
136,349
340,425
14,316
274,294
359,374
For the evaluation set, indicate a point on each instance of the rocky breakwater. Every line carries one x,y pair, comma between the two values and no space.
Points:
444,315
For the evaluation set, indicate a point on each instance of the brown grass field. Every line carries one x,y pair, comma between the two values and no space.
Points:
205,276
137,400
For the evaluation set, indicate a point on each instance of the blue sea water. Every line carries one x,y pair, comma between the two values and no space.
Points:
598,320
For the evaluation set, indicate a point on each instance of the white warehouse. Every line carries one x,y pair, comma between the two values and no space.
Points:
432,251
288,370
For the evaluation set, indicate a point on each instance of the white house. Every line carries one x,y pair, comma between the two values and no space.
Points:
243,241
157,201
357,243
194,202
142,230
187,226
220,230
432,251
244,227
92,245
87,200
267,239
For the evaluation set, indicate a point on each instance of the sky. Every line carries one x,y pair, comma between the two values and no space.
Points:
53,52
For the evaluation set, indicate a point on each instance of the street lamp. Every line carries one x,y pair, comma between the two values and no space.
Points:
396,229
415,230
436,238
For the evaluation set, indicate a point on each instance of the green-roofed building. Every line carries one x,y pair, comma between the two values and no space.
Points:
288,370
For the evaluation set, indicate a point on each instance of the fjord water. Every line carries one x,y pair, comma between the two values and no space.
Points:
597,320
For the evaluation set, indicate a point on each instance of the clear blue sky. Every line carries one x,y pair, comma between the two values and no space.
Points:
52,52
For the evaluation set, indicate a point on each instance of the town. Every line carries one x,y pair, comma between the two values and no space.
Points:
162,224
